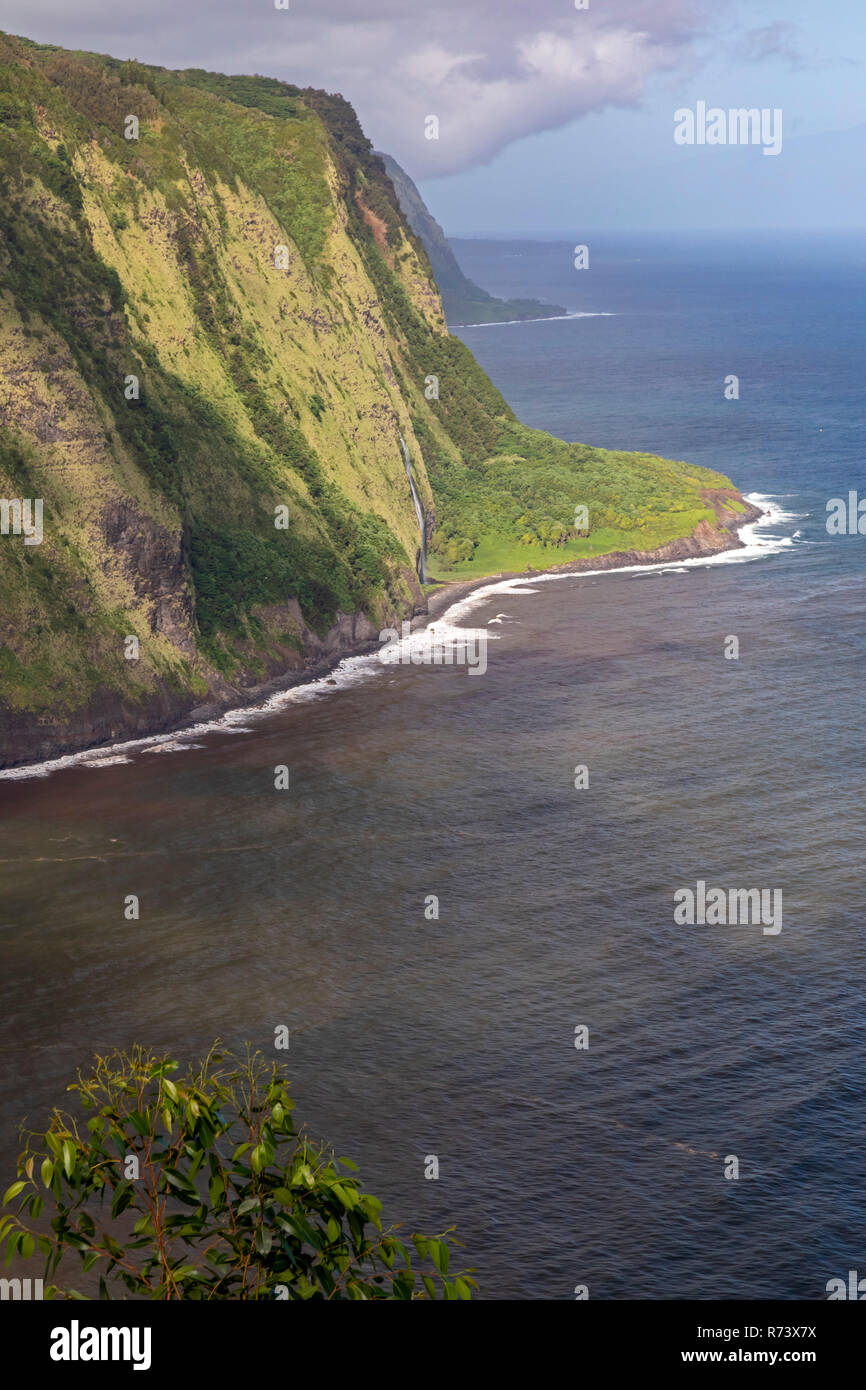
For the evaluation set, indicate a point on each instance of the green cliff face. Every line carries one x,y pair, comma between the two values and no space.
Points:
464,302
212,337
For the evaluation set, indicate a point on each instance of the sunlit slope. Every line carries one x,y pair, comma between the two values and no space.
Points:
212,336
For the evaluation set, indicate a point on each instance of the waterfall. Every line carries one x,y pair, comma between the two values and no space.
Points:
419,510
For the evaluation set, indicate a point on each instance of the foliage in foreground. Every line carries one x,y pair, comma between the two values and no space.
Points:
201,1187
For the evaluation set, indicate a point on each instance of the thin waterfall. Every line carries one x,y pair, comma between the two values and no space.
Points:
419,510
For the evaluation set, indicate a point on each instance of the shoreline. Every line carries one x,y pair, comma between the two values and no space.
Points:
695,547
683,548
544,318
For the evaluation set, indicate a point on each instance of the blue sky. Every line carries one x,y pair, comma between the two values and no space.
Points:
619,168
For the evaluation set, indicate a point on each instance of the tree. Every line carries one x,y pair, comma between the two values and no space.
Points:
201,1187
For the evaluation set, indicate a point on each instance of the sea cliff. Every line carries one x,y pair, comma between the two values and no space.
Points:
216,328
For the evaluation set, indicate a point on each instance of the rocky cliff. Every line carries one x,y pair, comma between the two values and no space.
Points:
463,301
216,325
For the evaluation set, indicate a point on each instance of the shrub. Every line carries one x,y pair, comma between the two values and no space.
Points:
201,1187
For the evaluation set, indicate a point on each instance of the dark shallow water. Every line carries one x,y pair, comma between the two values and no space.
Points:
455,1037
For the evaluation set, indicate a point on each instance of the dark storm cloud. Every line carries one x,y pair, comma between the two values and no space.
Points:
491,72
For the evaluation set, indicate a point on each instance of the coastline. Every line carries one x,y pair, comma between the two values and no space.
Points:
544,318
704,543
694,547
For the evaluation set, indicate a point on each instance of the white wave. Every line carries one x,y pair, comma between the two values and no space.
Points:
242,720
175,745
549,318
446,630
769,503
756,545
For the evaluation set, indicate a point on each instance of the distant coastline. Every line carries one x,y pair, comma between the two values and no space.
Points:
543,318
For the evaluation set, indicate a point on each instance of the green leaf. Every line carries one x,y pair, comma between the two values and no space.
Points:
47,1171
179,1182
68,1155
302,1228
13,1191
26,1245
122,1198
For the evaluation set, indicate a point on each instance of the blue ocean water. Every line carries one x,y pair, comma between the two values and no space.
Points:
784,312
454,1036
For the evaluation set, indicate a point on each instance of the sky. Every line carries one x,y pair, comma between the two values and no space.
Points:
548,118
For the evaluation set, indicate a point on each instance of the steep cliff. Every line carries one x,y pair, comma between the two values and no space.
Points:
215,327
463,300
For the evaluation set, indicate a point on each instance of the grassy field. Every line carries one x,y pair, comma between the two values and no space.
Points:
538,501
494,554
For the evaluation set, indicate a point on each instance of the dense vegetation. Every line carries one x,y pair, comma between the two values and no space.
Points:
518,507
223,318
200,1186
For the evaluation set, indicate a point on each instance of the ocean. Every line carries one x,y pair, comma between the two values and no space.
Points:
607,1165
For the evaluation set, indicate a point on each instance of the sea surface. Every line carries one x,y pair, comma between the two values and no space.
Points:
414,1036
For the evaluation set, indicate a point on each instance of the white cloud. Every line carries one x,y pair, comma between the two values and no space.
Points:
491,70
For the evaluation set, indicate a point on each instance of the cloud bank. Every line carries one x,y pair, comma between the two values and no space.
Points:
491,71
